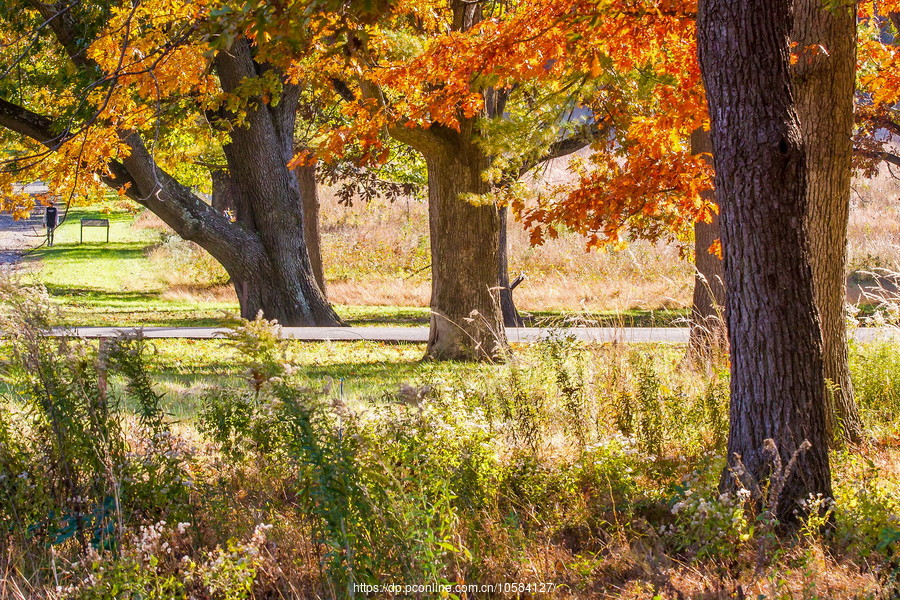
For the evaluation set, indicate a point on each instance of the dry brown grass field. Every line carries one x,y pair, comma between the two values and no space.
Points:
377,254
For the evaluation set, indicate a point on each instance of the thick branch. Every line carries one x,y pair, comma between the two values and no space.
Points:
879,155
422,139
148,185
30,124
566,146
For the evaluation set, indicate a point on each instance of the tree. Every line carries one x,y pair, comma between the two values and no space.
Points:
824,72
708,333
309,194
824,82
642,179
137,70
642,183
442,89
777,373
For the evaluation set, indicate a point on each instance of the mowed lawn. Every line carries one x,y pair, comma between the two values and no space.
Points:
115,283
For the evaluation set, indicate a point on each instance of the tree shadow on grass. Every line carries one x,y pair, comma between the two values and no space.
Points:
90,307
401,318
368,380
87,295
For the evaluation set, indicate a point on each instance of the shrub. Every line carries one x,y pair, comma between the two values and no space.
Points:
867,508
876,380
73,475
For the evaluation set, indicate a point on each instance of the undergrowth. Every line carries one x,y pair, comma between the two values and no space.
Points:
593,468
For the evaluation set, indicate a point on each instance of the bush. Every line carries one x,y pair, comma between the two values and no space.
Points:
72,475
876,380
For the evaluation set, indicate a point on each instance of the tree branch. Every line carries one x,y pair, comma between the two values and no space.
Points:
884,122
878,155
567,146
30,124
147,185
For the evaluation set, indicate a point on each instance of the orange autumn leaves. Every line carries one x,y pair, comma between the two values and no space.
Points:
143,58
631,63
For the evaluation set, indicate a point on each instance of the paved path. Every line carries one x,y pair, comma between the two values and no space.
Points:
18,236
674,335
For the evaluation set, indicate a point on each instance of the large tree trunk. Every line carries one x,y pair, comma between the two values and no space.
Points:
824,83
511,317
465,323
777,377
224,199
281,283
708,333
309,194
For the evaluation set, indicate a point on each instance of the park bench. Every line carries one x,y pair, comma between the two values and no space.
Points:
94,223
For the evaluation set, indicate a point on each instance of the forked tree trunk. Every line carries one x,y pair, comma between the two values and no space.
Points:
309,194
276,279
708,333
777,377
225,199
511,317
465,323
824,82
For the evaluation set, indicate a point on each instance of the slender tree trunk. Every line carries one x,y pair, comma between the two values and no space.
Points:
824,82
777,373
466,323
309,194
511,317
707,311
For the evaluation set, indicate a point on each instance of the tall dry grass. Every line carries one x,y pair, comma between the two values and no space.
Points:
378,254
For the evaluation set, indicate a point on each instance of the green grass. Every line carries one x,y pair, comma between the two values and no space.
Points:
384,316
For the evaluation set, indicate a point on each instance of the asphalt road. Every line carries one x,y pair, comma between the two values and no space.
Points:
673,335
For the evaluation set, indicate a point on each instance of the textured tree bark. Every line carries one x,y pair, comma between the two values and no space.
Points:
268,202
309,194
223,191
511,317
777,376
707,311
824,83
466,323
